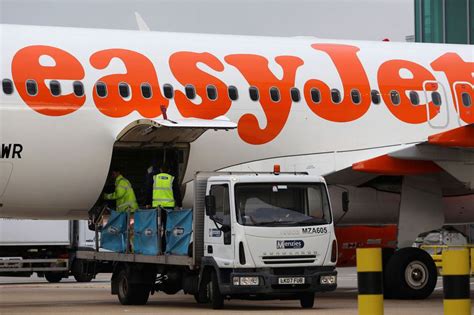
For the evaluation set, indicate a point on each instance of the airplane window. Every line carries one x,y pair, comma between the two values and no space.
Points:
146,90
168,91
375,95
233,93
55,88
31,87
414,98
335,96
211,92
253,93
395,97
315,95
355,95
275,94
101,89
7,86
124,90
436,97
466,99
295,94
190,92
78,88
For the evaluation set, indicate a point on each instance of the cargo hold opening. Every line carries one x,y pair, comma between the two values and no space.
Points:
146,144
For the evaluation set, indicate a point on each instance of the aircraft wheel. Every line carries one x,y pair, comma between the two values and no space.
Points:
410,274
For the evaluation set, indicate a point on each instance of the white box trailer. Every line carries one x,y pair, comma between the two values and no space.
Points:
19,232
45,247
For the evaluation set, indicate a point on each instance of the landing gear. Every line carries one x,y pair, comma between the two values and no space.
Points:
410,274
307,300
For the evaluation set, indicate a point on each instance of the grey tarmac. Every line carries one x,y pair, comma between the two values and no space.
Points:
36,296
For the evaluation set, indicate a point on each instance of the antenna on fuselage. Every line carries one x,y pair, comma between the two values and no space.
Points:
142,26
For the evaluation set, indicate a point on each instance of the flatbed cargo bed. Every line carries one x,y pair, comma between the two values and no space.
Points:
176,260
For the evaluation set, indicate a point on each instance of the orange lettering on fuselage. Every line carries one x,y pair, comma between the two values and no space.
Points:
460,78
139,70
353,77
255,70
389,80
57,65
184,66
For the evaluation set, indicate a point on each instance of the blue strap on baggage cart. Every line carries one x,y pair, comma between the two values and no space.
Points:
114,233
145,239
179,226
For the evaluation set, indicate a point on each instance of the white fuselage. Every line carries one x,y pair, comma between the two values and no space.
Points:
65,156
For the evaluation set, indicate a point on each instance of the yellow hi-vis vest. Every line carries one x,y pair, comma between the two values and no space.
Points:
163,191
123,195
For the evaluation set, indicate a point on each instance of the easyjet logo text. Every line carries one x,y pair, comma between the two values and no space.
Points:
187,68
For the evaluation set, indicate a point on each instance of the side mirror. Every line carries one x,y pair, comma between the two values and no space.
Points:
345,201
225,228
210,206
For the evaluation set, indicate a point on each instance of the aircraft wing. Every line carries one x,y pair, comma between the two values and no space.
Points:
448,155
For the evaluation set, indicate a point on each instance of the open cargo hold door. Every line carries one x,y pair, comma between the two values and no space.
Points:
146,143
163,131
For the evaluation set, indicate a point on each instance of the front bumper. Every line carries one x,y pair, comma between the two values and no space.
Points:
268,281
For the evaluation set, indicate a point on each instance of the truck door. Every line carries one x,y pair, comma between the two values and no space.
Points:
220,244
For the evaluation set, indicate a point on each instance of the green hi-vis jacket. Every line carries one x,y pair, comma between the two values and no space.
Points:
163,191
123,195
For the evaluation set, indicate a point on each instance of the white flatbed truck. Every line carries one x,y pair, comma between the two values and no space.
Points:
255,236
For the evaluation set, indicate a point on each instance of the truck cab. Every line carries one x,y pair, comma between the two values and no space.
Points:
268,235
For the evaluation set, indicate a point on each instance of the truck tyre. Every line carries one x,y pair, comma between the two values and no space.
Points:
201,299
202,296
410,274
83,277
307,300
53,277
131,293
78,272
215,297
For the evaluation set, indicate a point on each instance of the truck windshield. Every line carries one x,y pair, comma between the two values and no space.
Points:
282,204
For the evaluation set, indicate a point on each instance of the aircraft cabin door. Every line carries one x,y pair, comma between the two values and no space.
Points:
436,103
464,97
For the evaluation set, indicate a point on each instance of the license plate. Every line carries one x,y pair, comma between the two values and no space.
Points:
291,280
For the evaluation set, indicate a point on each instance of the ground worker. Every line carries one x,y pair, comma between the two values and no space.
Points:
125,200
165,194
165,190
123,195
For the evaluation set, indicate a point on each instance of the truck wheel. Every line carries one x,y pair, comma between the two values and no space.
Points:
201,299
215,297
202,296
78,273
53,277
307,300
131,293
410,274
83,277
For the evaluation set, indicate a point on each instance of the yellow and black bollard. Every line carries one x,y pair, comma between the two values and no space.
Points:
370,281
456,282
472,261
